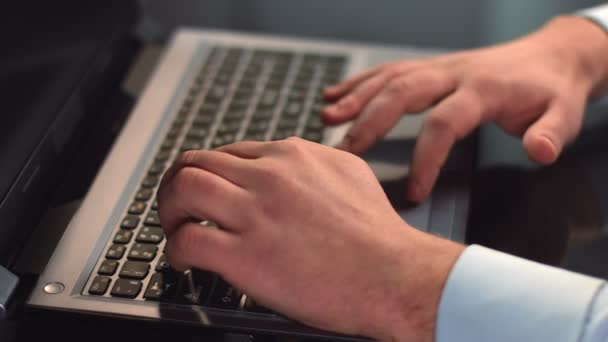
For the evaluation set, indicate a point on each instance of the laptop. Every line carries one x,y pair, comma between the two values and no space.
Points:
212,88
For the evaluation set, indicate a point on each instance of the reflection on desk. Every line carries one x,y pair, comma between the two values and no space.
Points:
557,214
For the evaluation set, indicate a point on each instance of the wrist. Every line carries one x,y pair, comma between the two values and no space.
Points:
412,314
581,43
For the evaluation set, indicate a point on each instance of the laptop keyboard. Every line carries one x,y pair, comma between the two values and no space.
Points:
238,94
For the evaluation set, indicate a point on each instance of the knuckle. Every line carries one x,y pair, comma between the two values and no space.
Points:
357,162
268,170
442,124
399,85
184,180
486,83
293,145
274,173
351,103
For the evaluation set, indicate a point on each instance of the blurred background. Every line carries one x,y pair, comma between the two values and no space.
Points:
431,23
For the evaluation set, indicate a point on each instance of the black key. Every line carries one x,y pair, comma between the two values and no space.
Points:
137,208
225,296
255,137
313,136
152,219
179,124
338,60
222,78
217,93
184,111
297,95
162,156
99,286
239,104
190,145
234,115
159,288
293,109
287,124
315,123
244,93
142,252
144,194
262,115
155,205
156,169
162,264
247,83
197,133
277,75
123,236
108,267
129,222
116,252
173,132
201,282
208,109
150,181
188,101
274,84
167,144
126,288
258,127
202,121
269,98
229,127
134,270
150,235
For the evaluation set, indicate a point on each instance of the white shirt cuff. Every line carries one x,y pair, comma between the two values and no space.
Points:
493,296
597,14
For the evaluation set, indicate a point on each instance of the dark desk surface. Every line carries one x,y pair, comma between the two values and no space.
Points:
558,214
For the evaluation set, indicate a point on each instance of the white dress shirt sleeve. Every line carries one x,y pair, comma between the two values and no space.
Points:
493,296
597,14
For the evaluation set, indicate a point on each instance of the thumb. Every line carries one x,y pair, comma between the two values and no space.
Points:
545,139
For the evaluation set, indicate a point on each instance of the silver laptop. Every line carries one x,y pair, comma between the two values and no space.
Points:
213,88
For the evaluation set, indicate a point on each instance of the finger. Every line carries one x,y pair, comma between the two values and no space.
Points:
546,138
408,93
223,165
338,90
193,245
452,119
195,194
247,149
350,105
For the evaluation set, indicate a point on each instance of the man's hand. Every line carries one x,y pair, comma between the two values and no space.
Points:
535,87
306,230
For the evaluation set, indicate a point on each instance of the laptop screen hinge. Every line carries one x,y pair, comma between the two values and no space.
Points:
8,285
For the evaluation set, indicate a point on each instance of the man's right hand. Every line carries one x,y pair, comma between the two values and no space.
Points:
535,87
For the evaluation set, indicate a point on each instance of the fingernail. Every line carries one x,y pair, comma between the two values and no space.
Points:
329,89
415,191
329,110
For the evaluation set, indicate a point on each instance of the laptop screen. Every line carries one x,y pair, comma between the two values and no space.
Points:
48,48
